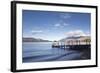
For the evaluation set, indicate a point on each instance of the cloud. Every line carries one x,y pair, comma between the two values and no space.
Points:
65,15
36,31
65,24
76,33
63,18
57,25
60,24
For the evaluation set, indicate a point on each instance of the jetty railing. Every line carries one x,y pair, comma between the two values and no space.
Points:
83,43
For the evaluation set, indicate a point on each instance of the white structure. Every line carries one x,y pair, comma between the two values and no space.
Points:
83,40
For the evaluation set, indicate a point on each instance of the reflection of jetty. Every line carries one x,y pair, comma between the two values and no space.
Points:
80,42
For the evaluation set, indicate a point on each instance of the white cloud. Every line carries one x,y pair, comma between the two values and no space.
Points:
36,31
65,15
61,24
57,25
65,24
76,33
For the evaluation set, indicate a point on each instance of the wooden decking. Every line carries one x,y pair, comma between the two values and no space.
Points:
75,46
72,46
82,42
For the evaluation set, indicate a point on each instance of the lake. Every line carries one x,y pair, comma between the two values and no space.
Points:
43,52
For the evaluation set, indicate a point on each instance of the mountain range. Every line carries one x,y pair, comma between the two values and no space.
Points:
28,39
32,39
78,37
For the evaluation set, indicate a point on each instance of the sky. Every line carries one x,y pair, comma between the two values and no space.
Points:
52,25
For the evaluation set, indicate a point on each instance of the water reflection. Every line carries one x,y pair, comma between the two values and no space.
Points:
43,51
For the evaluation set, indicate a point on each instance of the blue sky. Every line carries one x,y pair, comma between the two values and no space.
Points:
51,25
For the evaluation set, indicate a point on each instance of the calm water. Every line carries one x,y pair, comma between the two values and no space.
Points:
43,51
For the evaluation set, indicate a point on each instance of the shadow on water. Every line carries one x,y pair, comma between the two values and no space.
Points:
47,53
58,54
85,51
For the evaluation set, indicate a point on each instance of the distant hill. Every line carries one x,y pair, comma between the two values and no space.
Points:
28,39
78,37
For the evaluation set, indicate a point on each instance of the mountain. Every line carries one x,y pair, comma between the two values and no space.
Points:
78,37
28,39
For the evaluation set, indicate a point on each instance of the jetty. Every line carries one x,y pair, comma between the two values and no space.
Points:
73,43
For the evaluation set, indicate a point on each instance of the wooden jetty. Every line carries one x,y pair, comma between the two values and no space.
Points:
80,43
